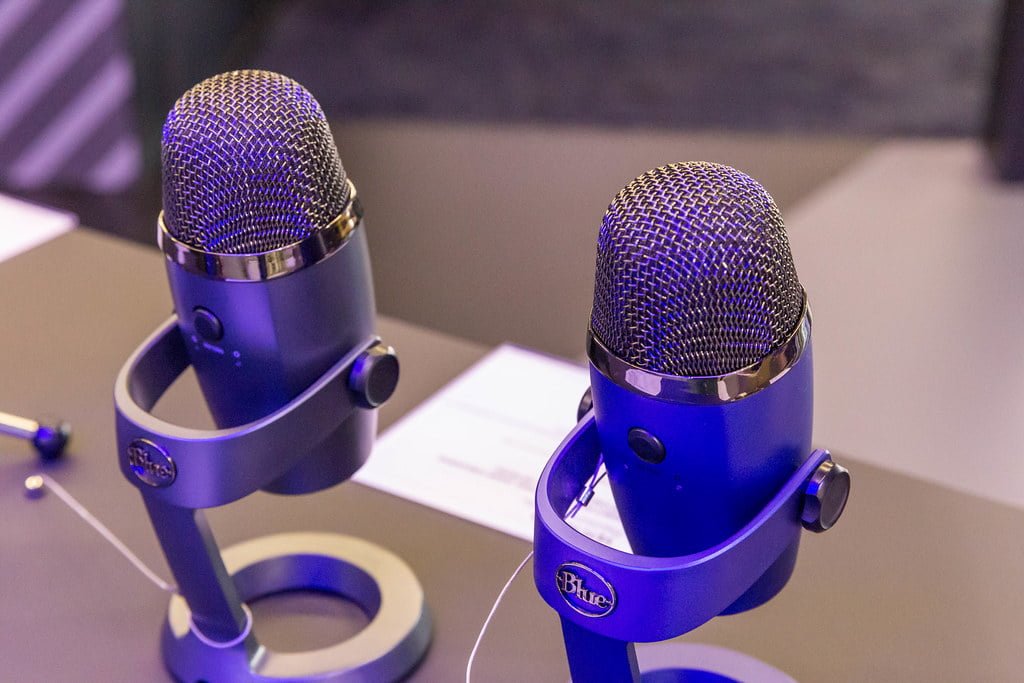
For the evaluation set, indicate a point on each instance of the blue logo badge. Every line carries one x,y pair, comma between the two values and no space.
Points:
584,590
150,464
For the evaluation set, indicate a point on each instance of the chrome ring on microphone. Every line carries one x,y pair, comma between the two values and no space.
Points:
704,390
267,265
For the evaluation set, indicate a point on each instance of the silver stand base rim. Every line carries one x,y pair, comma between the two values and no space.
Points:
375,579
671,662
661,661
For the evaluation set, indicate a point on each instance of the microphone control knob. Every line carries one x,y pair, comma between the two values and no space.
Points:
374,376
825,496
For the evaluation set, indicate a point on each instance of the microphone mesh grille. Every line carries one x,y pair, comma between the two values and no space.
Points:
694,273
249,165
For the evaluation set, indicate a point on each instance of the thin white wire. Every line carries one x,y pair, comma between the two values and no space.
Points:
106,533
218,645
494,608
578,504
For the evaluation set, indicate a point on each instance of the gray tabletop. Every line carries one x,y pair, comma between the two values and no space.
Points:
917,583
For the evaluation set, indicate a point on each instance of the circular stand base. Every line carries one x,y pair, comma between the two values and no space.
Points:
379,582
696,663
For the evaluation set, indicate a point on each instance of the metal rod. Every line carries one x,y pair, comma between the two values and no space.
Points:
19,427
48,441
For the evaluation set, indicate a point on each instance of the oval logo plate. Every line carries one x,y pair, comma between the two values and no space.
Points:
584,590
150,464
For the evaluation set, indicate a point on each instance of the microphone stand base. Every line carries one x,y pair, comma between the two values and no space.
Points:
380,583
697,663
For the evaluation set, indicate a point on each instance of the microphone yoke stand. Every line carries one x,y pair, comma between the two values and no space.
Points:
208,634
608,599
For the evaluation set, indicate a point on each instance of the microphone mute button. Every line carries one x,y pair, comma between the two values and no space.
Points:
645,445
206,324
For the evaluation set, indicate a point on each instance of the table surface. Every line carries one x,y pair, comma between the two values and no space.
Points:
918,582
912,265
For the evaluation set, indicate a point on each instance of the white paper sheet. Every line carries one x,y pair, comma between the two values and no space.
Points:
24,225
477,447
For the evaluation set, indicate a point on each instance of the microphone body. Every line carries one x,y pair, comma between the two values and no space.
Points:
722,464
266,257
255,345
701,370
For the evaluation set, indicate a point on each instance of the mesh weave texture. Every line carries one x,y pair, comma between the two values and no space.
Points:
249,165
694,276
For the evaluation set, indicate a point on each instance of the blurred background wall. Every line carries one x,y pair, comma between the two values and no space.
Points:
487,138
856,67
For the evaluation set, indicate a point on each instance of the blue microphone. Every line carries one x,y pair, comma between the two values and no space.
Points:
269,271
700,354
267,259
700,410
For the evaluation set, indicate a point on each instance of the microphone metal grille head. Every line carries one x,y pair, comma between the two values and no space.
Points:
249,165
694,276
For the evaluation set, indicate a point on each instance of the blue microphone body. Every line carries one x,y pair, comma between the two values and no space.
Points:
722,464
701,368
266,256
256,345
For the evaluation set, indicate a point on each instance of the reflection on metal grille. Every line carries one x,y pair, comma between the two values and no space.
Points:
694,272
249,165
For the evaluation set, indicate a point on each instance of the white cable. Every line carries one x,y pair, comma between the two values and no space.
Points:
494,608
578,504
106,533
223,645
103,531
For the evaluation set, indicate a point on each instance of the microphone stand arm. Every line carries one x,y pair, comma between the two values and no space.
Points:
608,599
179,471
